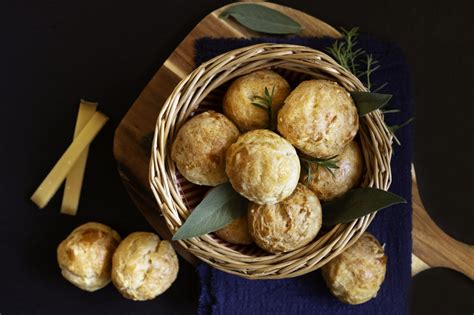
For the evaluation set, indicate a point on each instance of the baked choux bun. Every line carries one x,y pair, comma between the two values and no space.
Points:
245,90
319,118
236,232
287,225
262,166
200,146
347,176
355,276
85,256
143,267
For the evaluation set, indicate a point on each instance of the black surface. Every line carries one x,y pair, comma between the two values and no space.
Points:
437,292
55,52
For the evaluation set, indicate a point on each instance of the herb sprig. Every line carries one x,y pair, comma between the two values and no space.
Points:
265,102
328,163
396,127
343,50
351,58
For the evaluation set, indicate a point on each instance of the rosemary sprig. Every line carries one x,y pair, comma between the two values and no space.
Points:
348,56
396,127
343,50
351,58
390,111
370,68
380,87
307,167
328,163
265,102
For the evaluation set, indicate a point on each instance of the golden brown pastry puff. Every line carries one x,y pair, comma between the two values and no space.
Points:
287,225
236,232
200,146
262,166
85,256
143,267
319,118
245,90
355,276
328,186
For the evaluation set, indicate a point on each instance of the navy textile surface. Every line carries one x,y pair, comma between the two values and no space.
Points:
223,293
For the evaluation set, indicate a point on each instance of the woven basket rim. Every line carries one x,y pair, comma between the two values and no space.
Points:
375,138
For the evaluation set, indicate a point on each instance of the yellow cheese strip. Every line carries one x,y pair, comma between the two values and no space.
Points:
56,176
72,189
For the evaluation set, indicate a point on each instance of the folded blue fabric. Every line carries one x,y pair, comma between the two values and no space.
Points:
222,293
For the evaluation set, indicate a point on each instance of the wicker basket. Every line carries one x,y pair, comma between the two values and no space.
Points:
204,88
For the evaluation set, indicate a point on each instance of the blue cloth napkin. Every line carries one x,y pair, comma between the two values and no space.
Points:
222,293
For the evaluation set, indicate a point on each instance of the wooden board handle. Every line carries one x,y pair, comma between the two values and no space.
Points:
433,245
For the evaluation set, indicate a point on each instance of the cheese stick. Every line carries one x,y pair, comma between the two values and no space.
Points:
56,176
73,186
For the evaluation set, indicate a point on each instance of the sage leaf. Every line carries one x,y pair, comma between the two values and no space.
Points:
357,203
262,19
218,208
367,102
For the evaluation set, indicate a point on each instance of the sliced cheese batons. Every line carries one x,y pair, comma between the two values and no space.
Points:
67,162
73,186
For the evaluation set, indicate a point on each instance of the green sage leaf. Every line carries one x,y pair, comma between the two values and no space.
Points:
262,19
218,208
367,102
357,203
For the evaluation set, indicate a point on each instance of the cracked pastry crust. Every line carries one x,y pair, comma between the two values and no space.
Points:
85,256
319,118
200,146
243,91
143,267
236,232
287,225
355,276
263,167
347,176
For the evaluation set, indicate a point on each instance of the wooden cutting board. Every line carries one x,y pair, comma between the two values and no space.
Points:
431,246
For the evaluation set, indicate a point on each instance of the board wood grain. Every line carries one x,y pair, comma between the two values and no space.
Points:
431,245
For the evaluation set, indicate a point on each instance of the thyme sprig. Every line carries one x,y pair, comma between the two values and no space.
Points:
265,102
328,163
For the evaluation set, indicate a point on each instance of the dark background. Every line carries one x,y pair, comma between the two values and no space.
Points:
54,52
